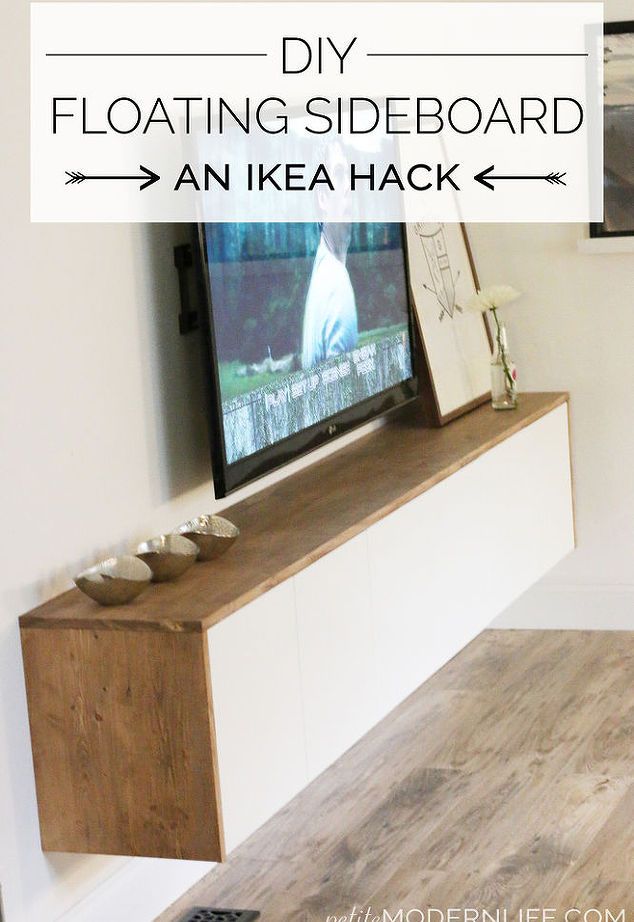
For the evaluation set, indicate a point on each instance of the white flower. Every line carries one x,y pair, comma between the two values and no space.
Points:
489,299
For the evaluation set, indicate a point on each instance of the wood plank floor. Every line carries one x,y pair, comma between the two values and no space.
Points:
505,782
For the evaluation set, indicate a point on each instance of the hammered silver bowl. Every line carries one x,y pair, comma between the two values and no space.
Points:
168,556
115,581
212,533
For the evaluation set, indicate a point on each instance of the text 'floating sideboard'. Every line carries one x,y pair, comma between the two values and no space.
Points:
173,727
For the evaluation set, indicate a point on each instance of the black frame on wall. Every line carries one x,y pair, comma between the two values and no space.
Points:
599,229
229,477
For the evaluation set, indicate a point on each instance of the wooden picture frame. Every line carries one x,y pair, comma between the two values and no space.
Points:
618,132
456,342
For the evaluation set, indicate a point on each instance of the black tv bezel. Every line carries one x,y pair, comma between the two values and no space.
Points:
230,477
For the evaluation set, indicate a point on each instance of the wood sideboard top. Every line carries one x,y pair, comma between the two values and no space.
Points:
289,525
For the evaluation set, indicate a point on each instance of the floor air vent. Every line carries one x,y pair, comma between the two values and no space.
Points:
204,914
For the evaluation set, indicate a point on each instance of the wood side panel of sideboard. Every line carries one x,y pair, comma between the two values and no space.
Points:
123,742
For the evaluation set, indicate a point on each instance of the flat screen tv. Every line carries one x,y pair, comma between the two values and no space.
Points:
309,334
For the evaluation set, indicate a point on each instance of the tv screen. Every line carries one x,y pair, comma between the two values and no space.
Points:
310,334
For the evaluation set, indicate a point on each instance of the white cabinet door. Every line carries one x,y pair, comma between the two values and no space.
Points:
257,705
443,566
541,531
407,568
336,652
299,675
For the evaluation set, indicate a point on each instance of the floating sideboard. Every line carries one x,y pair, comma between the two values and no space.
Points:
174,726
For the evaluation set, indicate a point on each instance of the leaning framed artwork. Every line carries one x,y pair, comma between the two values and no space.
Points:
618,132
456,341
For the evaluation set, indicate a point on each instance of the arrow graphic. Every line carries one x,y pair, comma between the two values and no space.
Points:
75,177
486,178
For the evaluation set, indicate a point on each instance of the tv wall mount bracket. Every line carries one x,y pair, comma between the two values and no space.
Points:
188,317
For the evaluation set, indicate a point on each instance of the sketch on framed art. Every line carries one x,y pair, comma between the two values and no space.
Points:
456,342
618,132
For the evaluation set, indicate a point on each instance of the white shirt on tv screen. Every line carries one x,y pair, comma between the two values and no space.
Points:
330,315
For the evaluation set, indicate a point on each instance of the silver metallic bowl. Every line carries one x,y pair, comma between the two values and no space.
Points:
212,533
115,581
168,556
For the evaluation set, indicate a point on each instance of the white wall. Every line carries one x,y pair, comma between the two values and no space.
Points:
103,442
573,330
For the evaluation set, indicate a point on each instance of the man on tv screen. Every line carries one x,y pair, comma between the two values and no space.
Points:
330,316
308,319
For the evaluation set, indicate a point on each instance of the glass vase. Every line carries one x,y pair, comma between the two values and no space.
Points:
503,372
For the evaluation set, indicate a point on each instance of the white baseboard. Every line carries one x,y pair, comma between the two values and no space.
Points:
141,890
583,608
